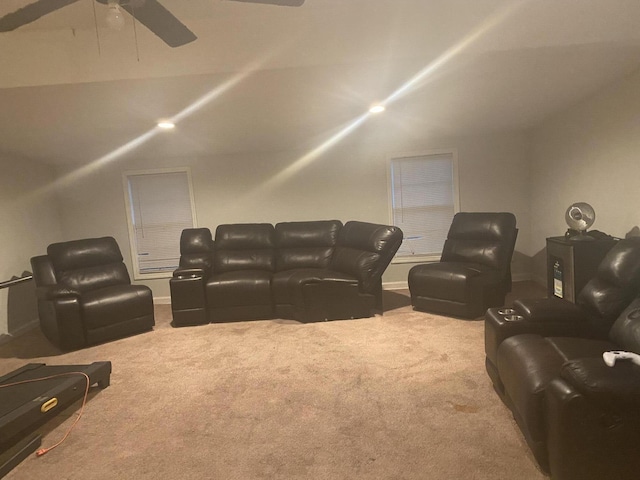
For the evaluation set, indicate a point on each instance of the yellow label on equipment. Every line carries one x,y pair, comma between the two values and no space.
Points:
48,405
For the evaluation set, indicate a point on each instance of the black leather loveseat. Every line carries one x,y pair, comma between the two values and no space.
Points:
580,417
305,271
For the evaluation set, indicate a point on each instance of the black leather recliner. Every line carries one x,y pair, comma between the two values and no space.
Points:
85,295
474,271
306,271
580,417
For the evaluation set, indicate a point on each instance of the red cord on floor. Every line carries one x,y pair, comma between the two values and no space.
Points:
42,451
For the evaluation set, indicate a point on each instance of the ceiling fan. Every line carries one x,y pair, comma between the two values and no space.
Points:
148,12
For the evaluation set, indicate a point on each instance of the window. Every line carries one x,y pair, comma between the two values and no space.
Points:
424,198
159,206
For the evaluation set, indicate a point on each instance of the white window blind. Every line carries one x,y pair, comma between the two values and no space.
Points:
424,200
159,208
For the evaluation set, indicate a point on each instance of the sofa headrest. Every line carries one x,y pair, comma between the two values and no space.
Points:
616,283
244,246
195,240
244,236
485,238
86,253
305,244
621,265
486,226
88,264
196,248
625,332
323,233
369,237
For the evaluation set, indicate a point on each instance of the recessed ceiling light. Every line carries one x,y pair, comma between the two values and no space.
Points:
376,109
166,125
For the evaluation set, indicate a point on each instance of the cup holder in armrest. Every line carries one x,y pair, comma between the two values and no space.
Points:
513,318
506,311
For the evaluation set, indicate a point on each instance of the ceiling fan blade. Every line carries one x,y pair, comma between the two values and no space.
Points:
31,13
282,3
161,22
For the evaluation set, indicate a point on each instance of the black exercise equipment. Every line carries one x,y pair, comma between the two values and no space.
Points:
25,407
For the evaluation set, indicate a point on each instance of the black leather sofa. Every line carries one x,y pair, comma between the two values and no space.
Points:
85,295
305,271
580,417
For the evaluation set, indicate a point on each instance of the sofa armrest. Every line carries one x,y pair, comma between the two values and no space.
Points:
188,298
530,317
586,438
190,272
617,386
53,292
551,309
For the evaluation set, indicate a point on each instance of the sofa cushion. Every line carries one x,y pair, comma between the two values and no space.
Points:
288,286
305,244
118,303
246,246
447,280
88,264
239,288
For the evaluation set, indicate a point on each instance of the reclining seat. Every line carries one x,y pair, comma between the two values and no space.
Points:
474,272
532,355
304,251
85,295
239,287
326,271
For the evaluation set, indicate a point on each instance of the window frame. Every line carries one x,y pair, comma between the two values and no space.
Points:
455,187
137,274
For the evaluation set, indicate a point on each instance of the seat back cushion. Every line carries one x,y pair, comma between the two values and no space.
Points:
487,238
88,264
364,250
625,332
305,244
615,285
244,246
196,248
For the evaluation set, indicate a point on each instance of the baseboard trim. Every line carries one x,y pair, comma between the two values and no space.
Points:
21,330
522,277
395,285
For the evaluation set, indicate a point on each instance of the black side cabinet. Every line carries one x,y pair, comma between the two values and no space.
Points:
572,263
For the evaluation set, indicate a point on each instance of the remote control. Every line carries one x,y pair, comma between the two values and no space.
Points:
611,357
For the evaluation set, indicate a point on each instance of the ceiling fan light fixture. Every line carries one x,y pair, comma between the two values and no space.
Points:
115,18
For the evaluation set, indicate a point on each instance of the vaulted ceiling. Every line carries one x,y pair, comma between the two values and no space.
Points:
266,78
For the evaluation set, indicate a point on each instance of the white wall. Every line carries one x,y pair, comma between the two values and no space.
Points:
590,153
29,221
347,182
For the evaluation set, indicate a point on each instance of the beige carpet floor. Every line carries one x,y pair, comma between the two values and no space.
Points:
395,397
